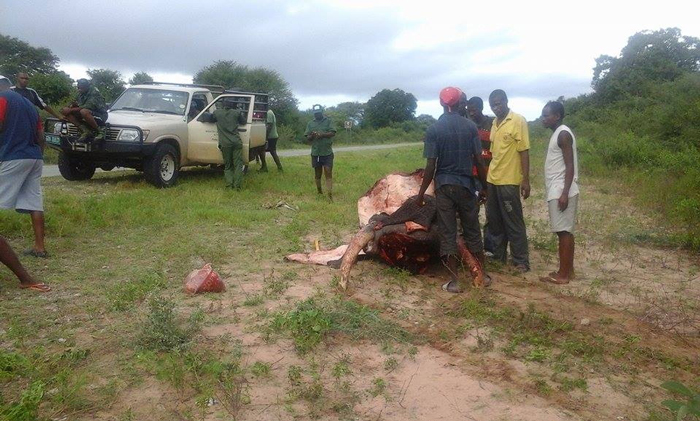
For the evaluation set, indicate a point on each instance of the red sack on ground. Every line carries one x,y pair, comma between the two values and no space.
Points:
204,280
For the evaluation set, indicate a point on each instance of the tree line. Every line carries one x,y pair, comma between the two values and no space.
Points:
387,108
641,120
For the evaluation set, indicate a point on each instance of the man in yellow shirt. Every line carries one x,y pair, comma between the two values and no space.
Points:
508,178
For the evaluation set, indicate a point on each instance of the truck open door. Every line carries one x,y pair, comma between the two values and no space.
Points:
204,138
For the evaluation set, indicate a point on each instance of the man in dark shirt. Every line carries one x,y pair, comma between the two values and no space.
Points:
31,95
451,147
82,112
21,146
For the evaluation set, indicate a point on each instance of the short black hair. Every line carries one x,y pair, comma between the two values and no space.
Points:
556,107
476,102
84,82
498,93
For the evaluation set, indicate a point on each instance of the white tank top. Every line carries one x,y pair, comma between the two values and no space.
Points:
555,169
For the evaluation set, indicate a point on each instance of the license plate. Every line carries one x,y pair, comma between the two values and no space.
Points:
53,139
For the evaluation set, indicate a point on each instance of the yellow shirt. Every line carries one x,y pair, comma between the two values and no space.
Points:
507,140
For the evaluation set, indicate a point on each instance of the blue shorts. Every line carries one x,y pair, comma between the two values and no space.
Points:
322,161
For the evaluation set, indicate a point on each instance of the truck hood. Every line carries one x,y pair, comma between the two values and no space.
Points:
146,121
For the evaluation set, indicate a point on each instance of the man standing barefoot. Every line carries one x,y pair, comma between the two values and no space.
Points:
561,176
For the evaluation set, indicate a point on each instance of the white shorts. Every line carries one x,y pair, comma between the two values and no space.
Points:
563,221
20,185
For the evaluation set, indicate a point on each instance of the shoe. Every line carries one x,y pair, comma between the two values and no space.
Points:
452,286
41,287
489,254
522,269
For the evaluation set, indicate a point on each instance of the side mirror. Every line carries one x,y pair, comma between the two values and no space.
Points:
206,118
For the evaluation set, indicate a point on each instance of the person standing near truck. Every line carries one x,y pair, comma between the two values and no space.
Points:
31,95
82,112
272,136
227,120
320,132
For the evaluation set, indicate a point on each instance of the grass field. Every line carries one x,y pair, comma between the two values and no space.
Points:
117,339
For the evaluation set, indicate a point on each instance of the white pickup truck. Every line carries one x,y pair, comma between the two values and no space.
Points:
157,128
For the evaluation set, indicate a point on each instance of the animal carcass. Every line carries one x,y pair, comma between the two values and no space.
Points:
394,227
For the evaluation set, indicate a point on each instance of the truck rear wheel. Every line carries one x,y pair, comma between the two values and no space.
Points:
74,169
163,168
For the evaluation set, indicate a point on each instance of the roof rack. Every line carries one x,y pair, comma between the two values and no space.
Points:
213,88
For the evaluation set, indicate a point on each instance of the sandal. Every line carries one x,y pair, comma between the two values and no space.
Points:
41,287
34,253
452,286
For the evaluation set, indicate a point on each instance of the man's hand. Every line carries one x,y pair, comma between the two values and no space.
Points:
483,194
563,202
420,200
525,189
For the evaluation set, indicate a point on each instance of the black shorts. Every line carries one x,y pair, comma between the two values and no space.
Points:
322,161
271,144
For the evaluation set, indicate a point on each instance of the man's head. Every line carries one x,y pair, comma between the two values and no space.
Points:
5,83
475,108
317,111
498,100
449,98
462,107
83,85
22,80
552,114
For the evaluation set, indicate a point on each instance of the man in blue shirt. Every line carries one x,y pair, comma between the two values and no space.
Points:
452,147
21,148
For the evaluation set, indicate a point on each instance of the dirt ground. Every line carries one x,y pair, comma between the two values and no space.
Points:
632,296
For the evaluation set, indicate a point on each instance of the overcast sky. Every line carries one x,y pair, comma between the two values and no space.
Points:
333,51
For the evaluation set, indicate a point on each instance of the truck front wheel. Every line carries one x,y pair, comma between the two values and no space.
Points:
73,169
163,168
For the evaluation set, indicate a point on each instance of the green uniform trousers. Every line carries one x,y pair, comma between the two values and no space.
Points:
233,165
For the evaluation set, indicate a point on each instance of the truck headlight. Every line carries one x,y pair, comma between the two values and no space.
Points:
128,135
57,128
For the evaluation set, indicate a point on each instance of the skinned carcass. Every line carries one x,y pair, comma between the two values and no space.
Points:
396,228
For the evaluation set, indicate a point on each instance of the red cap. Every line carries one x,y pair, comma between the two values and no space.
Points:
450,96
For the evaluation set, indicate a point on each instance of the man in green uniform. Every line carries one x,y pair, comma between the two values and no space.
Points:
82,112
320,132
227,121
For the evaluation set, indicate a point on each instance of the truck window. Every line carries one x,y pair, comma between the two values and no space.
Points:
199,102
152,101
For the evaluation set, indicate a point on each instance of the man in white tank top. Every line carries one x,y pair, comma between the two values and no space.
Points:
561,185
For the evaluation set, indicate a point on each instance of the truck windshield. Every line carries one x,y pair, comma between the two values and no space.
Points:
152,101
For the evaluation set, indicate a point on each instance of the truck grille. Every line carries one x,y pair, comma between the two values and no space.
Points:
110,133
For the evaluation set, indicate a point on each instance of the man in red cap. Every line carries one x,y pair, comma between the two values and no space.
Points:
452,147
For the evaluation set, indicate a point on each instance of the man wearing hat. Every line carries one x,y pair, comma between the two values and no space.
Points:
320,132
82,112
21,162
451,148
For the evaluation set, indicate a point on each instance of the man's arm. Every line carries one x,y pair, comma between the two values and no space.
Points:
565,143
481,172
51,111
525,167
428,174
40,136
3,110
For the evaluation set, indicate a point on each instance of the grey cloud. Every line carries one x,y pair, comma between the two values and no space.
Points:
319,52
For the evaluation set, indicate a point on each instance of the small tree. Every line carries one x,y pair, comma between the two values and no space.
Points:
390,106
140,78
53,87
109,82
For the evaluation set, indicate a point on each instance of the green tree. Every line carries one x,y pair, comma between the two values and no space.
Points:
109,82
18,56
650,57
348,111
232,75
426,120
390,106
140,78
53,87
